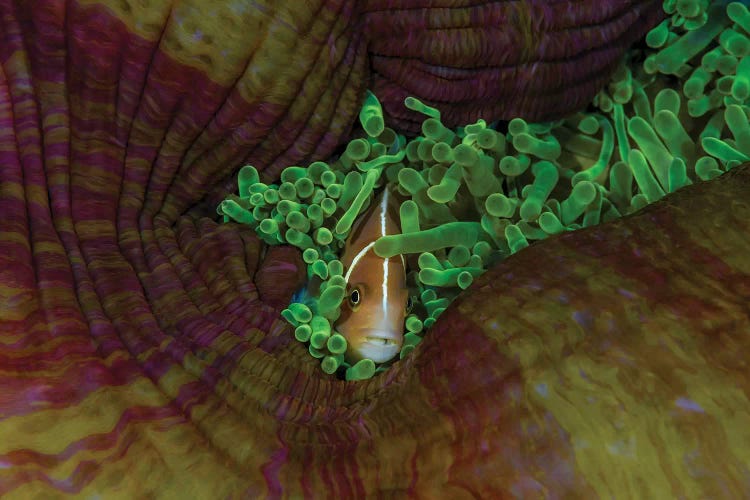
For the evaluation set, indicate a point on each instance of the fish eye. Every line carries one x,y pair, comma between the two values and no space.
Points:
355,297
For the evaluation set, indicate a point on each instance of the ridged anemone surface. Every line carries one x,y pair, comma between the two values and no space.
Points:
141,348
500,59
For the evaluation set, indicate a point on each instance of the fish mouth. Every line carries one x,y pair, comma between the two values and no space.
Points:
382,338
379,346
382,341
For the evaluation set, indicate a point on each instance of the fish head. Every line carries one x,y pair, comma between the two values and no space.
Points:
372,316
372,319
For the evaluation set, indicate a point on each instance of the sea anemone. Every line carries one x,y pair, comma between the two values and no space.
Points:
475,195
143,351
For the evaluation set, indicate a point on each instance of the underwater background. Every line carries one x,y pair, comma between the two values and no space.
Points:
585,334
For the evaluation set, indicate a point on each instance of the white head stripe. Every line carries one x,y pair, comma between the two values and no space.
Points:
355,260
383,209
385,284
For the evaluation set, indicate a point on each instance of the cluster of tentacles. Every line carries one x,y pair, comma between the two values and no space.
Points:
676,112
141,348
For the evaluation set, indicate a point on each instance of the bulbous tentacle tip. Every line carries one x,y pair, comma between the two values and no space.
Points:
362,370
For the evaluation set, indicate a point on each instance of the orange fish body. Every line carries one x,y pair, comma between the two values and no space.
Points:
372,316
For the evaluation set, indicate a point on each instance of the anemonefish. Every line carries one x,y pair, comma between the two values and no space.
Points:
372,315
